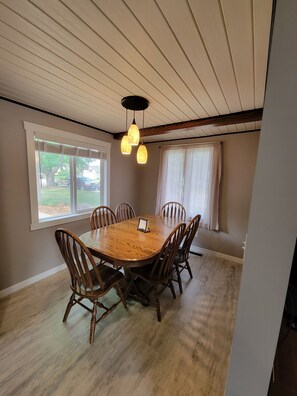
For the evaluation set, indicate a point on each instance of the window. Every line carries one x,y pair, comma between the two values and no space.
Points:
68,175
190,174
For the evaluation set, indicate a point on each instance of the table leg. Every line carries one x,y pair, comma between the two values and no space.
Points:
133,290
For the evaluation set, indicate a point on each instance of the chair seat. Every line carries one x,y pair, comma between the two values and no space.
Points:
145,273
109,277
180,256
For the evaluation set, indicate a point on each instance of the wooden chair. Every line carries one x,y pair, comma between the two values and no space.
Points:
124,211
160,270
181,260
174,210
88,279
102,216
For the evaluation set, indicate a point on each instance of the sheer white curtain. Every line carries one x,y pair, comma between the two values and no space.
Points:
190,174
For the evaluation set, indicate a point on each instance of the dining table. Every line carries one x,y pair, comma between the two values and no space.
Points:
123,245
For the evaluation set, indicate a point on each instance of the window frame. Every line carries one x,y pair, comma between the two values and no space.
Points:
57,135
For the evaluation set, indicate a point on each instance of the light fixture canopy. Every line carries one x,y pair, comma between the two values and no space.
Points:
141,155
135,103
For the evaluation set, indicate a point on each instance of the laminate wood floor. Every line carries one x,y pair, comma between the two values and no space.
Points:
133,354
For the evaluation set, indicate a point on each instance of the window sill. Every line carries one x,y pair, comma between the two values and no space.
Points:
59,221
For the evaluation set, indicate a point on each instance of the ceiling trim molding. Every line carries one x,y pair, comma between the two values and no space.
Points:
53,114
217,121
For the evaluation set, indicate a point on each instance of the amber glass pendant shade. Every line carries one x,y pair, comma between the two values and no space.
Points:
125,145
141,155
133,134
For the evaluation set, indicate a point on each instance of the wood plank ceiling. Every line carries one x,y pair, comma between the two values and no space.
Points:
191,59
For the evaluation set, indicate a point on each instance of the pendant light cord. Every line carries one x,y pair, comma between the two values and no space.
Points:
134,122
142,123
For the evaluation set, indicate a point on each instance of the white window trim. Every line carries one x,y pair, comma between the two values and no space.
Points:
79,140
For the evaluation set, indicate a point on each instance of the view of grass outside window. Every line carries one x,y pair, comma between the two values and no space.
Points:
66,184
68,175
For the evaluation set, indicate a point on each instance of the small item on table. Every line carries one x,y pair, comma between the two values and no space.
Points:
143,225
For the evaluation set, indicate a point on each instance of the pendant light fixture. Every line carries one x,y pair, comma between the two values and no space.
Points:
126,147
141,155
135,103
133,133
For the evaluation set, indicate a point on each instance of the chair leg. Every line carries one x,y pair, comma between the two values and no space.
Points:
179,279
170,284
189,269
93,322
121,295
157,303
69,306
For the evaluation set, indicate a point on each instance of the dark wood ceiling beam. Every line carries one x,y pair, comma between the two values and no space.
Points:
221,120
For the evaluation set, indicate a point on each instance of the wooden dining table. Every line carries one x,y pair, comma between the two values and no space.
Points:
122,244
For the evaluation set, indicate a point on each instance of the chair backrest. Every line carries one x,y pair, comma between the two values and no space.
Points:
163,265
174,210
190,232
124,211
79,262
102,216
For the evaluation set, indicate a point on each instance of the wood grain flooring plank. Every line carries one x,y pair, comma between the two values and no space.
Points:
186,354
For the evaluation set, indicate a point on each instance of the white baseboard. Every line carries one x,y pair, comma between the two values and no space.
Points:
52,271
29,281
198,249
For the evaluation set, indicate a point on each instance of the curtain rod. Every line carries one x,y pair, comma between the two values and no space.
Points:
203,137
189,144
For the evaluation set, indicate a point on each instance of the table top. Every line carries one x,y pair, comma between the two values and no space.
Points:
122,243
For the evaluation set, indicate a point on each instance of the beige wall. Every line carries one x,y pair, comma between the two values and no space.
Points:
26,253
239,160
124,177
